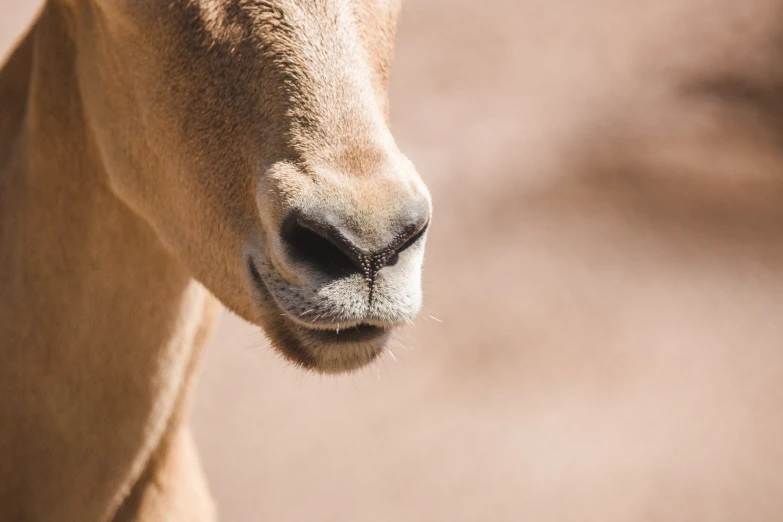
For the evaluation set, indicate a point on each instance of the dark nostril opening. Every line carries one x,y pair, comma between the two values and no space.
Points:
324,245
308,246
412,240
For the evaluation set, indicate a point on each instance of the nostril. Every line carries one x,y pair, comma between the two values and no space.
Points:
323,243
317,248
413,238
406,244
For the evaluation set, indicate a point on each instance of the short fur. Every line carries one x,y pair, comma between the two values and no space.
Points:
148,148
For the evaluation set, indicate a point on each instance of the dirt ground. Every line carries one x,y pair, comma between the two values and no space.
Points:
601,339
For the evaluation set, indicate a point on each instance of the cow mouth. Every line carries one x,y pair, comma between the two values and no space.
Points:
358,333
332,348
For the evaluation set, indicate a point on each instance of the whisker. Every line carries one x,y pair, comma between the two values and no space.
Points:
407,349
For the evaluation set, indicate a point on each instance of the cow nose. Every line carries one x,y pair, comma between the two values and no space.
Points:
323,240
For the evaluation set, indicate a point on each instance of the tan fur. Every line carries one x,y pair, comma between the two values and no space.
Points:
149,148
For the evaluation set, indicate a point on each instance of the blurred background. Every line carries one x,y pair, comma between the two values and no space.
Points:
602,336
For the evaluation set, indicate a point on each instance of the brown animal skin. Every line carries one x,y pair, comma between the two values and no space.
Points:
146,149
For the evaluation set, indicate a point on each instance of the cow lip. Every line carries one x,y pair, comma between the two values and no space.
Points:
333,334
358,333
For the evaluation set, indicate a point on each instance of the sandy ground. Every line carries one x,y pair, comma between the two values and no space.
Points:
601,339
